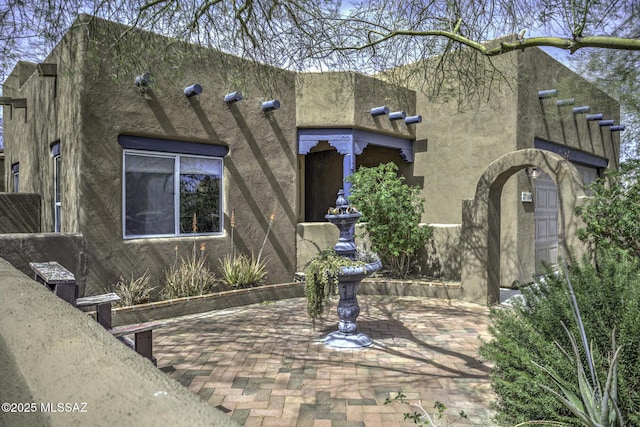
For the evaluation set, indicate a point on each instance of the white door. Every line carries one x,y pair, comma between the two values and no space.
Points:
546,222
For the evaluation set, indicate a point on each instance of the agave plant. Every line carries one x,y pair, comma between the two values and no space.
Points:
135,290
241,271
595,406
188,277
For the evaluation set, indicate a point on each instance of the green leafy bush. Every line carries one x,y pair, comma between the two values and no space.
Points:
392,210
612,216
135,290
530,333
241,271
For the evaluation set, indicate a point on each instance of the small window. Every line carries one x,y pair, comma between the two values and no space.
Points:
57,163
15,173
163,192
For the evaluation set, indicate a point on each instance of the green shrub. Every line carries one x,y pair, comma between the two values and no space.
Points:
392,210
611,217
240,271
188,277
608,294
135,290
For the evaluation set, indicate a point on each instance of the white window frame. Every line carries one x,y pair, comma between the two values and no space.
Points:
15,174
176,173
57,193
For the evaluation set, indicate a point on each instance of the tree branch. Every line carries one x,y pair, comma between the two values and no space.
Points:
569,44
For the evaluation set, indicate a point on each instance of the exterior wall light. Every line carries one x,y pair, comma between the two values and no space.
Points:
274,104
616,128
397,115
605,122
233,97
411,120
549,93
534,173
143,80
379,111
564,102
192,90
581,110
594,117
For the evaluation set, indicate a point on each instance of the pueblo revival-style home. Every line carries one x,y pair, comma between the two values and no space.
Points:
108,158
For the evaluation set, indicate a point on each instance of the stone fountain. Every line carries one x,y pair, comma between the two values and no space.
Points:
344,217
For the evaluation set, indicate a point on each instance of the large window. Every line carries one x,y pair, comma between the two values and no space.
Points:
164,192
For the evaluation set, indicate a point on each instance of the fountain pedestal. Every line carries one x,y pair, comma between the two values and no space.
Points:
348,336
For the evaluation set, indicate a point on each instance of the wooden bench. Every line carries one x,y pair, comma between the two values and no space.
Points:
57,278
143,333
63,283
103,306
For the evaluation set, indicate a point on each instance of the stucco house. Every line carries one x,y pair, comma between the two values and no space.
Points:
116,155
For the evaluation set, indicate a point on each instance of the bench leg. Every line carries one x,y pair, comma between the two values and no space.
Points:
103,315
67,293
144,344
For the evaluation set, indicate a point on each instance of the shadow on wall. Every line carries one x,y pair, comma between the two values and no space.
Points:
441,259
67,249
271,180
20,213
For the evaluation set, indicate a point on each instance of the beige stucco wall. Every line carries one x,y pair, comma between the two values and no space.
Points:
68,249
543,119
90,114
459,143
345,100
52,114
259,171
19,213
456,143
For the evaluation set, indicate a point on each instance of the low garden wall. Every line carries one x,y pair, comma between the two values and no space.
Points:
65,369
216,301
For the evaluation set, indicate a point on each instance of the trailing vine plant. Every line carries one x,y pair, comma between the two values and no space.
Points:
321,279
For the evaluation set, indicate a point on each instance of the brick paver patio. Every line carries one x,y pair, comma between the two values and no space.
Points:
265,364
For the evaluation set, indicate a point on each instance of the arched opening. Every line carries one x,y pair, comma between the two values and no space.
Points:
481,219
